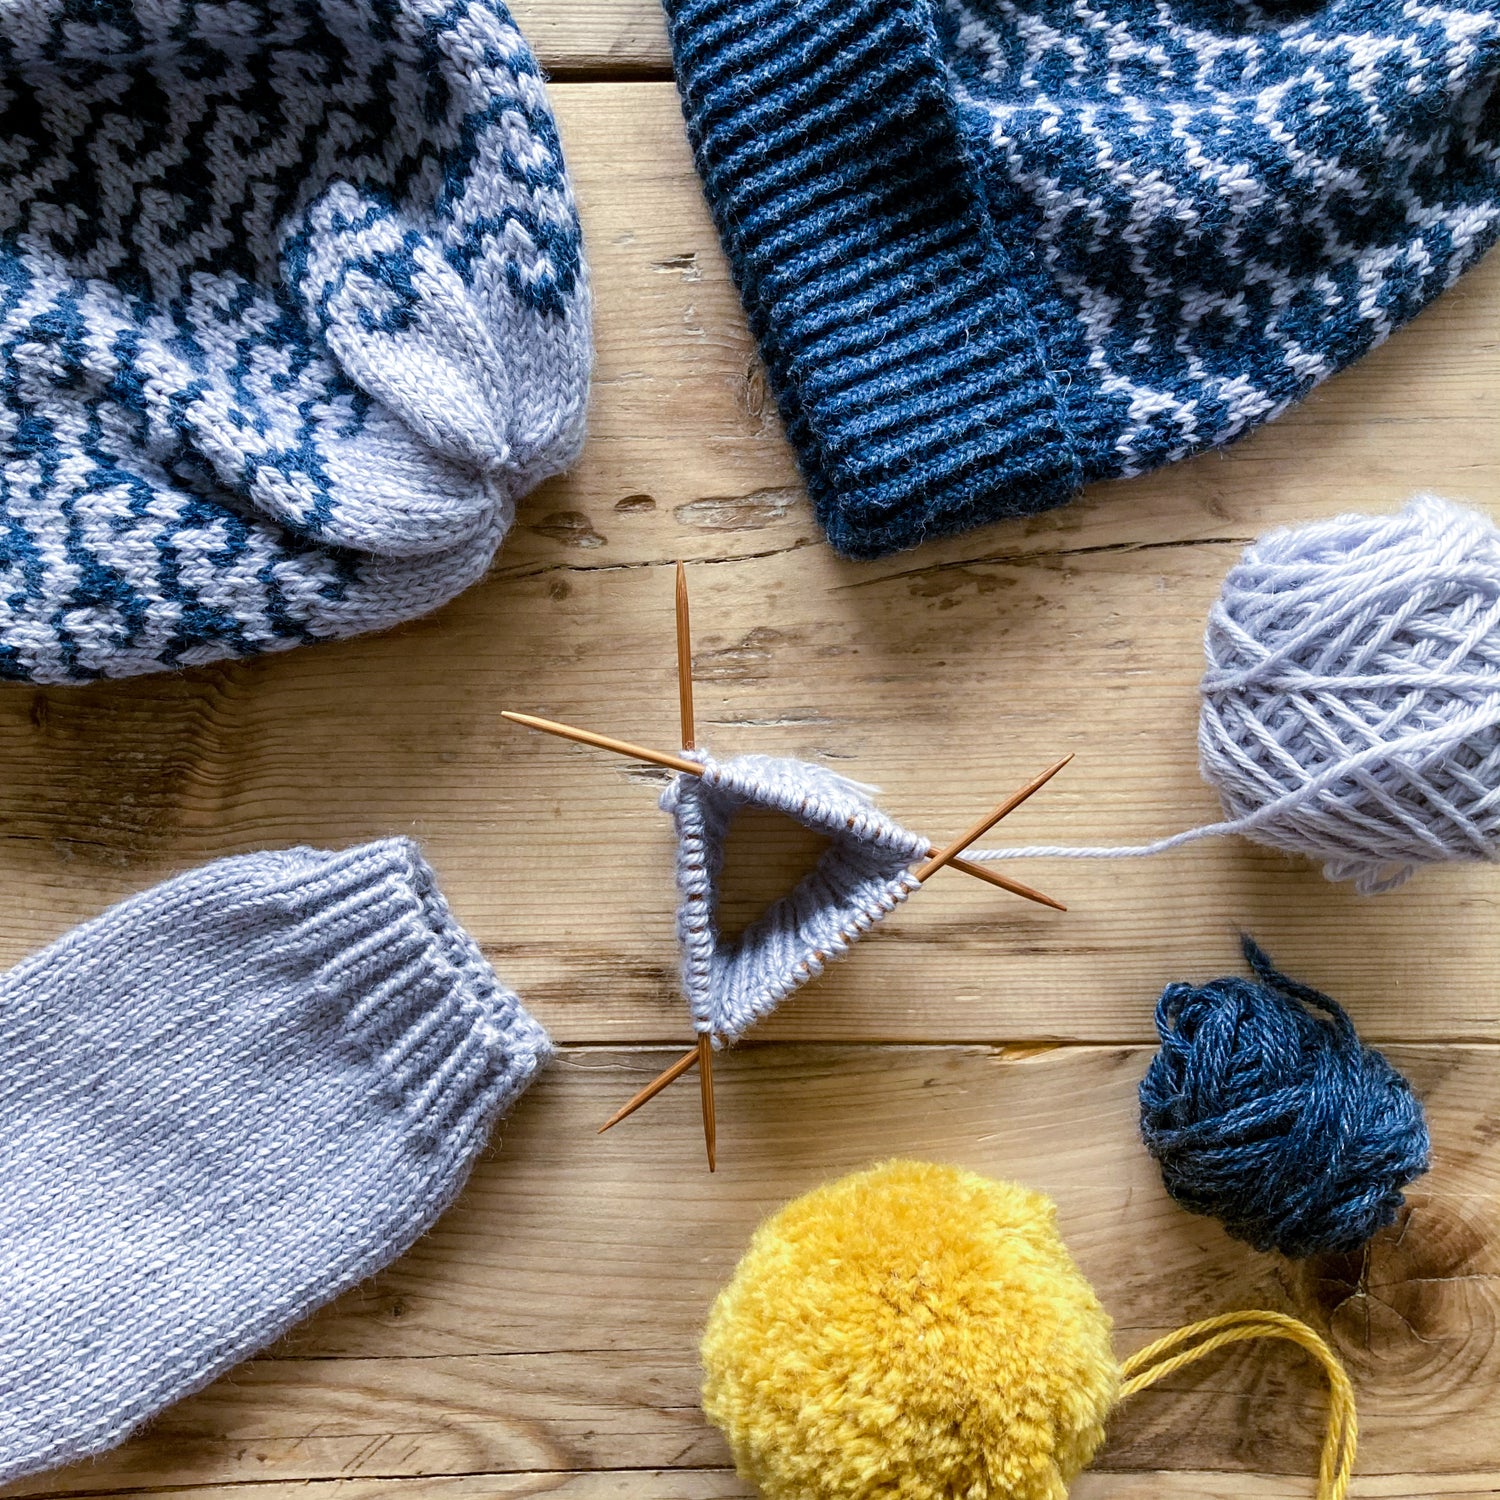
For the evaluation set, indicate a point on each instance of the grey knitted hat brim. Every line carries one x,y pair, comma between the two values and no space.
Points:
222,1103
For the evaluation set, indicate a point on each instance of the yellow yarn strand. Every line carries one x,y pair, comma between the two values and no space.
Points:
1197,1340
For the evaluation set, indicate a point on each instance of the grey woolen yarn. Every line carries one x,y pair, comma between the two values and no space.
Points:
1351,702
222,1103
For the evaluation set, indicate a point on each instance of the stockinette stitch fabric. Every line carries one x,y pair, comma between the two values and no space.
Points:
222,1103
293,307
861,877
995,251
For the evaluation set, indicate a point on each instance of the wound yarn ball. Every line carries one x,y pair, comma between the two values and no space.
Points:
910,1330
1351,704
1264,1110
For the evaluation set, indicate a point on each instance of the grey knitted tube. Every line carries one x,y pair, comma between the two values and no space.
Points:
222,1103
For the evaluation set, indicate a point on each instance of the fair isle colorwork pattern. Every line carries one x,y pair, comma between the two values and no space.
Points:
862,876
222,1103
292,309
994,251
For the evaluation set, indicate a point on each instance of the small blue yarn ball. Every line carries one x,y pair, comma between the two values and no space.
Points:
1265,1110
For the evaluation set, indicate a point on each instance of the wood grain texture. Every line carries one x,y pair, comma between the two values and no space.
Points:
720,1484
541,1340
488,1351
596,38
946,676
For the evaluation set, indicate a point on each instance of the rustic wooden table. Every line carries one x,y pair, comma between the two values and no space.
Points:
542,1339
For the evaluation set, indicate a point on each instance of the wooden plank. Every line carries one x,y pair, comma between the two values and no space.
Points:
946,675
720,1484
549,1323
558,860
596,38
1208,1485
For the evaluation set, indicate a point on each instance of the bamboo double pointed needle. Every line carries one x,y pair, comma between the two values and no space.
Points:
685,663
604,742
705,1051
701,1054
652,1089
689,742
988,821
1005,883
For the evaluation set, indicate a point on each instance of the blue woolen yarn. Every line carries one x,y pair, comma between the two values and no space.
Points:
1265,1110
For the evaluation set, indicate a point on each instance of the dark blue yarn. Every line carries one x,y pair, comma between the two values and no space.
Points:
1265,1110
992,252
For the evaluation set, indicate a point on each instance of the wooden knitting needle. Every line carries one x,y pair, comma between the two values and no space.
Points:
689,734
603,742
692,768
988,821
684,663
706,1097
1005,882
652,1089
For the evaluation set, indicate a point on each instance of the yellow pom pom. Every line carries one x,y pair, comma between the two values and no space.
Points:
912,1331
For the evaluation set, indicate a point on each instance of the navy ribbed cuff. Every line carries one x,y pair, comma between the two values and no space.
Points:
911,377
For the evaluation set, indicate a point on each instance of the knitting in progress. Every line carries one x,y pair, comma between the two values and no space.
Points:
292,309
1351,704
222,1103
1265,1110
920,1331
863,874
992,252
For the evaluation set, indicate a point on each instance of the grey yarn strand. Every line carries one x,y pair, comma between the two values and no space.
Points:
1351,703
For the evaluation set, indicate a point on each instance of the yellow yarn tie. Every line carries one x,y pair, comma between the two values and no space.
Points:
1168,1355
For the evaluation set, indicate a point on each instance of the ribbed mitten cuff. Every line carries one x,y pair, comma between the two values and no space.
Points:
411,991
910,374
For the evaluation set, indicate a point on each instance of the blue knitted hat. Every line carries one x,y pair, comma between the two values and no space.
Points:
994,251
292,308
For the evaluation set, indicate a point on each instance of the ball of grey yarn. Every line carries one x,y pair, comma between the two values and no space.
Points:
1351,705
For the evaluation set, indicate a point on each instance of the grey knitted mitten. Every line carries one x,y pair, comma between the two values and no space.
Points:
222,1103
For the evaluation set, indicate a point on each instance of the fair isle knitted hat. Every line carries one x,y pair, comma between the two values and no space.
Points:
993,251
292,308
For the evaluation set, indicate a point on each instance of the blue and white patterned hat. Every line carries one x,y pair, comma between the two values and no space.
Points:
292,309
994,250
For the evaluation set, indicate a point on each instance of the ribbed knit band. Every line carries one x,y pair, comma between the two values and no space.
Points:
910,375
222,1103
411,992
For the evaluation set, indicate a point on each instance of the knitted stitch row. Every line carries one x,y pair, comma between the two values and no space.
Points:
222,1103
993,250
861,876
292,309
